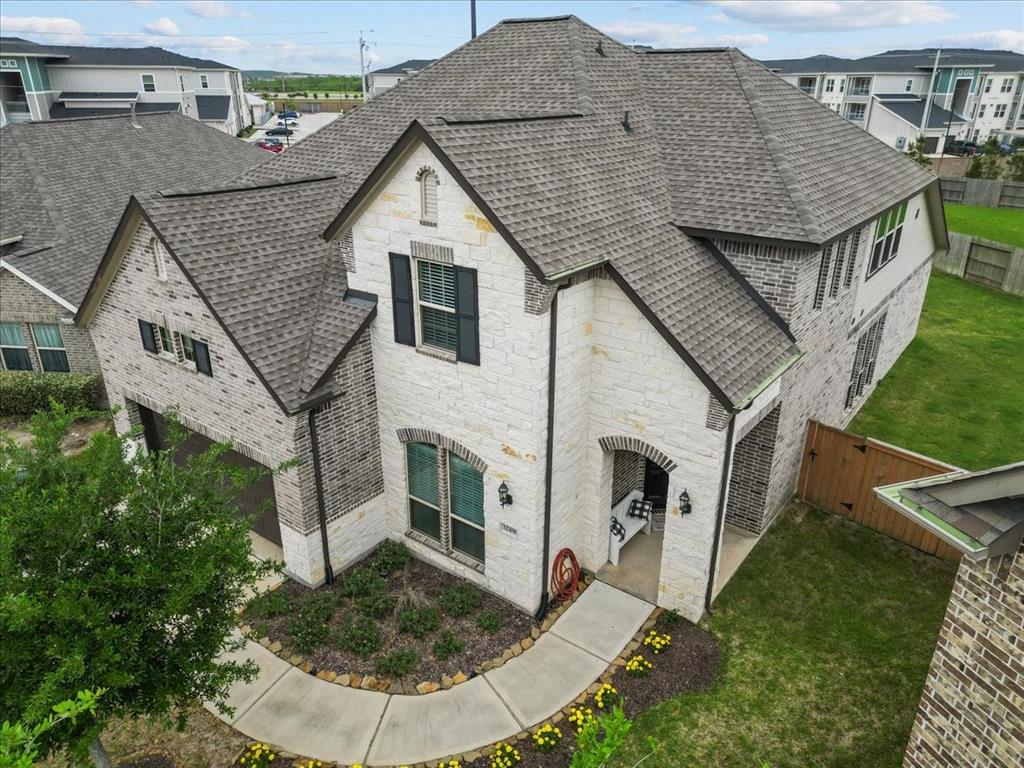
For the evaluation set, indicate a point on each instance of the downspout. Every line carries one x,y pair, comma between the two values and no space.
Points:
542,610
318,480
720,520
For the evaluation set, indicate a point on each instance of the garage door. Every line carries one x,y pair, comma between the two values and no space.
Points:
266,525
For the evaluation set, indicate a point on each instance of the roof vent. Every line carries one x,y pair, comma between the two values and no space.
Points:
132,112
625,123
600,48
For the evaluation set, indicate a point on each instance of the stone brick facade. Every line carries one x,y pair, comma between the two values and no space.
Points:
21,303
971,713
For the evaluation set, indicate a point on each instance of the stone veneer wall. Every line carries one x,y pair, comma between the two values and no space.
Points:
21,303
971,713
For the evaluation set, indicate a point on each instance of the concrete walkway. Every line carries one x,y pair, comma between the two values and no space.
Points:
285,707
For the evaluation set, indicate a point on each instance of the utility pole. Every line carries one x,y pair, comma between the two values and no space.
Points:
472,18
931,89
362,66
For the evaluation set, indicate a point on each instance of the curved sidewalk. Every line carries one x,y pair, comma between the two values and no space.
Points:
300,713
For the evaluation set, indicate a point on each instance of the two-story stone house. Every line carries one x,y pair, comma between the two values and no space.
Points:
506,295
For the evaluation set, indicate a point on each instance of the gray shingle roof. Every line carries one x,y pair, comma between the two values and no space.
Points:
269,278
213,107
65,184
414,65
900,61
88,55
912,110
533,114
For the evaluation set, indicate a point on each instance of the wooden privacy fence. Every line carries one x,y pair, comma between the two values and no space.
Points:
991,193
990,263
840,471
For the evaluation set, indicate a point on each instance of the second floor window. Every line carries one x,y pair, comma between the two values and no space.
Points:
855,112
908,86
981,111
159,258
830,85
888,232
999,111
1007,85
149,84
436,283
204,81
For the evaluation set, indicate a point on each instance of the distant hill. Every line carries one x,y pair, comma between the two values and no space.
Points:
263,74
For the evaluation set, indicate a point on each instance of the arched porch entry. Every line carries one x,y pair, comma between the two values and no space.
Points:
634,493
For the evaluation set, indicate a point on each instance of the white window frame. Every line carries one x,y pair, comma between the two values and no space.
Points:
428,180
850,109
1007,85
40,348
204,81
894,232
988,84
453,311
999,110
981,110
909,85
181,82
159,258
830,85
152,78
28,356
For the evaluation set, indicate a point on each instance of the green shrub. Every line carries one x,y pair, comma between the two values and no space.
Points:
418,622
670,618
447,645
268,605
391,556
461,600
310,627
397,663
490,622
363,581
376,605
360,636
23,393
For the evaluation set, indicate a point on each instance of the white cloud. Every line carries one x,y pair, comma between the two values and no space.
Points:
1011,39
833,14
162,26
211,9
636,7
662,35
54,29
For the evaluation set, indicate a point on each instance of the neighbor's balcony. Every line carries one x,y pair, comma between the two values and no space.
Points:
17,111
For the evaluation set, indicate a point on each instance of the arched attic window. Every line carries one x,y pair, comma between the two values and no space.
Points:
159,257
428,196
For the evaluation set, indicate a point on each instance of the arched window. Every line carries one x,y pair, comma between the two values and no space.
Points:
451,514
428,196
159,258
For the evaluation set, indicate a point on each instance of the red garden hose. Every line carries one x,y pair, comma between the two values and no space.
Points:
565,574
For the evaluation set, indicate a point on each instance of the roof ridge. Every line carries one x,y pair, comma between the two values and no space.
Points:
578,63
315,315
43,189
774,146
248,187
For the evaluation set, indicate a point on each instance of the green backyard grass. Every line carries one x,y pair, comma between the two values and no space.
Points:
826,632
956,394
1000,224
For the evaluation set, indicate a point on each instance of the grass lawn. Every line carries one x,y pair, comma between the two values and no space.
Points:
1001,224
956,394
826,632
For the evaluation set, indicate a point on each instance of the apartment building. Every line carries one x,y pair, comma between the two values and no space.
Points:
56,82
976,93
381,80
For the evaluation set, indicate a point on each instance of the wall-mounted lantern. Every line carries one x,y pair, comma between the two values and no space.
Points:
684,503
504,497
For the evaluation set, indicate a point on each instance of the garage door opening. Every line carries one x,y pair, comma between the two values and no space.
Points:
266,530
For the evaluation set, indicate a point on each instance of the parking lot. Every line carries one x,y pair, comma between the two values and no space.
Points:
308,124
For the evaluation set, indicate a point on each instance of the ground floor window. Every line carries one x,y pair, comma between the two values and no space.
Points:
864,360
13,348
450,513
50,345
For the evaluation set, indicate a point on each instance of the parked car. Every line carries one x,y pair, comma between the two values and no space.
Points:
271,141
283,115
1006,149
281,131
275,148
963,148
287,122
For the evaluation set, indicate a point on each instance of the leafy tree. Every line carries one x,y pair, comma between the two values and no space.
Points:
119,571
916,152
1015,168
18,741
986,165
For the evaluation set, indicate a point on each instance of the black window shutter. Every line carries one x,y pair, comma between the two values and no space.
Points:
148,337
202,352
401,299
467,315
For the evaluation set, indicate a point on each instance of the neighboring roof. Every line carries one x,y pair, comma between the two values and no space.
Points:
911,110
272,281
64,184
87,55
581,152
979,513
213,107
255,100
412,65
59,111
900,61
98,96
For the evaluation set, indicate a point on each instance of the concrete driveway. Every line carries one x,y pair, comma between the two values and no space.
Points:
308,124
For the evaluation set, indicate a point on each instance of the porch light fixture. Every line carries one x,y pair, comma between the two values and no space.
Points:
504,497
684,503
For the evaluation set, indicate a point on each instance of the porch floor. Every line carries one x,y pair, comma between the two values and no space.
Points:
639,567
264,549
736,545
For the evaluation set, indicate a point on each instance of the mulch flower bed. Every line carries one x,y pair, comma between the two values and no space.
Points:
459,626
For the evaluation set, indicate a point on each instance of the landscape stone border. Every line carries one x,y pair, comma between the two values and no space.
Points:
405,687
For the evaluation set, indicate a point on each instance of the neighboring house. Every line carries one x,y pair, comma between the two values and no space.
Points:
981,88
260,110
54,82
495,302
381,80
63,186
972,708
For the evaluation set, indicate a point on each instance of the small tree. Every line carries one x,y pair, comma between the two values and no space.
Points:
986,165
119,571
916,152
1015,167
19,742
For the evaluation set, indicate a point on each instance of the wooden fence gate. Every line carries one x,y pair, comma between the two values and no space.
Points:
840,471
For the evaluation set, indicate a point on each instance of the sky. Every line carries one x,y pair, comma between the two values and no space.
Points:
323,36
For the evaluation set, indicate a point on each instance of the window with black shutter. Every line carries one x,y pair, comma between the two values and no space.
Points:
467,315
148,336
401,299
202,357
